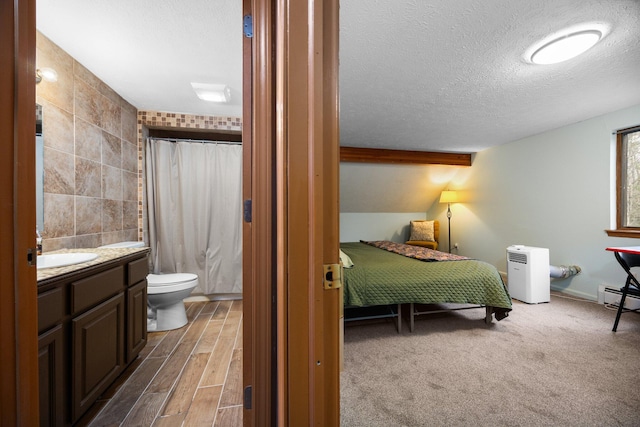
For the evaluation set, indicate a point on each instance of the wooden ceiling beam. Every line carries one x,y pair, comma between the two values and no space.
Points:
379,155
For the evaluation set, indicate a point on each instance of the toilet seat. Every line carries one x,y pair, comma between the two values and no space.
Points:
172,282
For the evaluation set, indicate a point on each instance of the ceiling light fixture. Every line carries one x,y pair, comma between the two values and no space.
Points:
46,74
566,47
212,92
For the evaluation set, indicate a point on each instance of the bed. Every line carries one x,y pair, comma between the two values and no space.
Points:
388,274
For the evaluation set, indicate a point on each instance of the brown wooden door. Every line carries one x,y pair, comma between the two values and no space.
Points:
257,230
18,323
308,190
291,346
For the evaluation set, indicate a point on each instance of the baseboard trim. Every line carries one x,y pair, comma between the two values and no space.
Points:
213,297
578,294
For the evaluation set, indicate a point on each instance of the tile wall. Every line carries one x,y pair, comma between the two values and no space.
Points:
91,168
94,154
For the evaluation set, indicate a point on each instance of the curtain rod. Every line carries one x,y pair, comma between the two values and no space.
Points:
202,141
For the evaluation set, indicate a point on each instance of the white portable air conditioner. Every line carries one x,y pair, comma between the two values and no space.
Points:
528,274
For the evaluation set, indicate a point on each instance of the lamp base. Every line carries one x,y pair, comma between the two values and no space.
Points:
449,221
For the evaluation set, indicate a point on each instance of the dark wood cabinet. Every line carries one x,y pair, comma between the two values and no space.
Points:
51,368
136,307
92,324
137,315
98,352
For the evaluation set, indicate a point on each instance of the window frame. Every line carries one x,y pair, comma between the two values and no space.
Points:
621,230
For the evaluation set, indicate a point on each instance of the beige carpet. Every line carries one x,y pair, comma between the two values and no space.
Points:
555,364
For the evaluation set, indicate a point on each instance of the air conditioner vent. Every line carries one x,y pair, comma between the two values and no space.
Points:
517,257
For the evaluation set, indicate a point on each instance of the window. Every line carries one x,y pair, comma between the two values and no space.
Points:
627,183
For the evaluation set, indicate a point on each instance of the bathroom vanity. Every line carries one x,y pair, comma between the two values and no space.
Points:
92,323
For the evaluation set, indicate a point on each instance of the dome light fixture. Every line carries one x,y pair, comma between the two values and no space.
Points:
566,47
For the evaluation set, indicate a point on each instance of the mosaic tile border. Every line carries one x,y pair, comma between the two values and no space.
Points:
167,120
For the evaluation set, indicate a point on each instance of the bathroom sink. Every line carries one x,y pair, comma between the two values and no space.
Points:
60,260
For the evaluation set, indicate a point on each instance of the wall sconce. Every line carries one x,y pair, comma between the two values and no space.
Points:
46,74
449,197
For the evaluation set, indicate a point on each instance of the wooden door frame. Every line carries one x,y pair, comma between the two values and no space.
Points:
291,350
18,299
292,353
308,161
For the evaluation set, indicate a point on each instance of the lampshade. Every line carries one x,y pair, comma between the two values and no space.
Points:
448,196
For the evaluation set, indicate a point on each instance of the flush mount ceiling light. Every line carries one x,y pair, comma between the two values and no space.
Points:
566,47
212,92
46,74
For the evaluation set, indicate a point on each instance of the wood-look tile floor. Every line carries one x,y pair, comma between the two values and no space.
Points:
188,377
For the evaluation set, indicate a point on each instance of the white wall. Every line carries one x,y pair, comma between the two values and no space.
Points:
552,190
376,226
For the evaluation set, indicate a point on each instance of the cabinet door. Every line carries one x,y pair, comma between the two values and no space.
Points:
97,352
50,372
136,319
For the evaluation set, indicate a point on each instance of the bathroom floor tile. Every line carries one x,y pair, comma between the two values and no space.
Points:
173,376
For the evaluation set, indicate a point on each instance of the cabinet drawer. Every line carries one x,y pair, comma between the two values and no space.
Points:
90,291
137,271
50,308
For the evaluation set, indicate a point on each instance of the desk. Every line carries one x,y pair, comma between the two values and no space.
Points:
625,249
627,257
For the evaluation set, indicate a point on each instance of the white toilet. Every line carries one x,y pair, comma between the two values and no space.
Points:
165,295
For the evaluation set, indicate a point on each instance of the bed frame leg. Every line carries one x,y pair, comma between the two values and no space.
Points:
411,317
488,317
399,326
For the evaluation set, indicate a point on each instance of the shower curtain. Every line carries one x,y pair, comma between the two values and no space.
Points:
194,204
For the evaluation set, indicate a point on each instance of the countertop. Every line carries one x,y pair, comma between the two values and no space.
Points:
104,255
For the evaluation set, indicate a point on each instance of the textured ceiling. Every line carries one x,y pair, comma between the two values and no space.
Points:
414,74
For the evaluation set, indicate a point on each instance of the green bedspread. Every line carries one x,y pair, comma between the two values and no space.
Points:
379,277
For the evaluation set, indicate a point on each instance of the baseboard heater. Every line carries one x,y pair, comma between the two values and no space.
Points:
612,296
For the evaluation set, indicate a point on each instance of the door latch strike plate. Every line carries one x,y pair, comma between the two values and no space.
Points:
332,276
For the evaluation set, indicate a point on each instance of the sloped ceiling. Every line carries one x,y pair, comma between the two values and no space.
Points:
392,188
